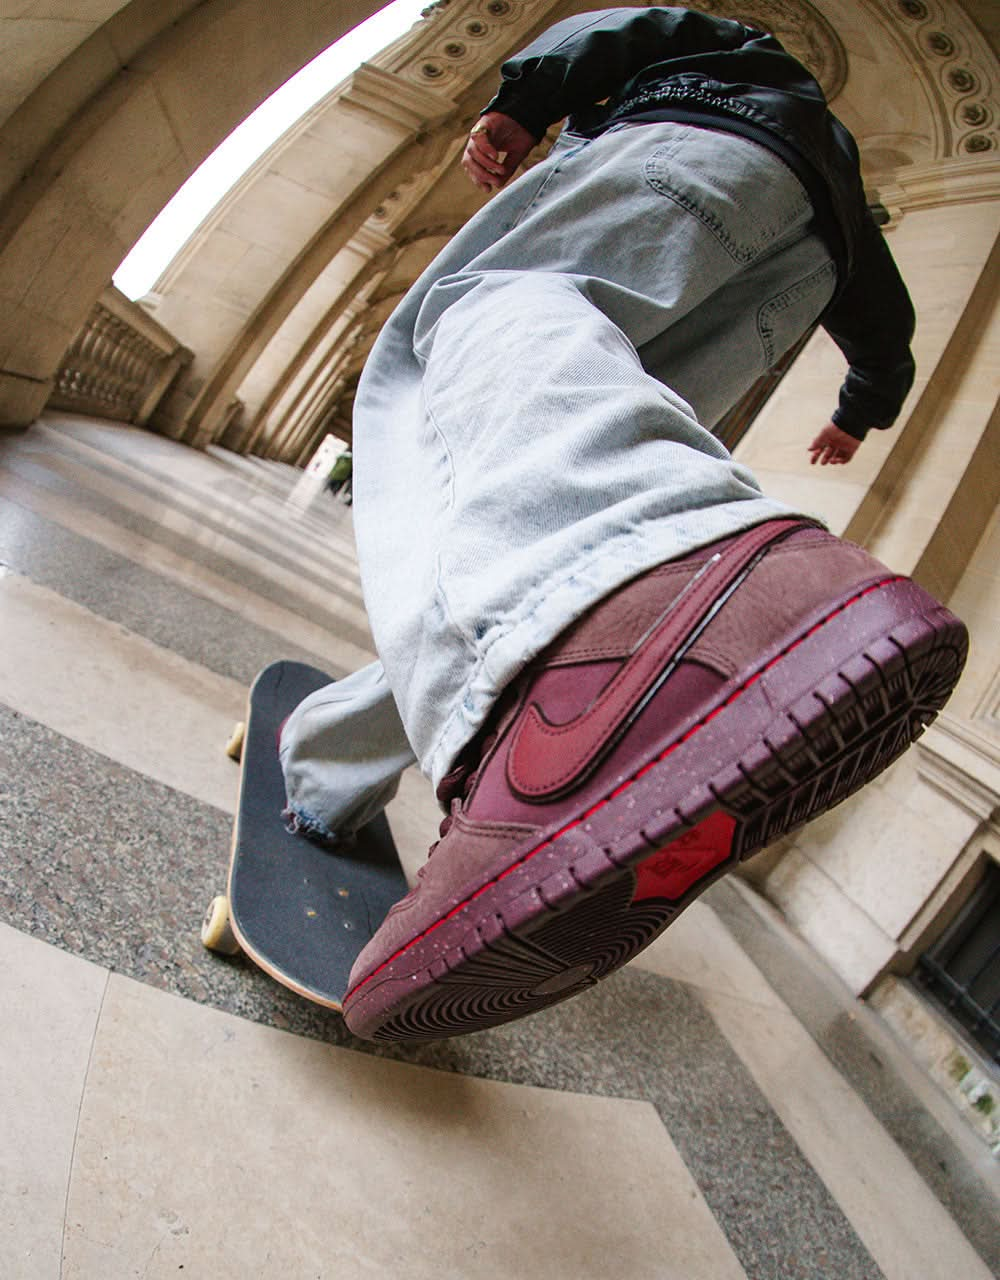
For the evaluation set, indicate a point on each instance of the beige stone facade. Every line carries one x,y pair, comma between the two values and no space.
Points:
271,308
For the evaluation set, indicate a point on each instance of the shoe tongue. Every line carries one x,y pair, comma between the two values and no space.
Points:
454,784
450,785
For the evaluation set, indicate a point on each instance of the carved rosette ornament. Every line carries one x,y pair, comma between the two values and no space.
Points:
397,200
964,70
462,37
458,47
399,203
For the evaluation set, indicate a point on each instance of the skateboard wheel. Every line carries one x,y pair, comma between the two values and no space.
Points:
234,747
216,931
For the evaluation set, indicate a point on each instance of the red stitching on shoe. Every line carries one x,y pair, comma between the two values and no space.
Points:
630,782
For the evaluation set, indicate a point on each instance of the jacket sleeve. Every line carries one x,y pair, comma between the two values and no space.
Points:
585,59
872,322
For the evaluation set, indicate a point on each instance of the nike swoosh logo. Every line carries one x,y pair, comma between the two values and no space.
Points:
547,759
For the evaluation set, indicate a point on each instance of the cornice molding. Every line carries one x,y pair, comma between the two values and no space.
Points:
962,180
962,763
400,202
380,93
369,241
459,40
461,37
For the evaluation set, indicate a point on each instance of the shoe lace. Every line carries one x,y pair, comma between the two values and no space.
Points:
456,787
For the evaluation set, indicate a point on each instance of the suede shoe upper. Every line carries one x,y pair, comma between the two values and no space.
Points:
502,803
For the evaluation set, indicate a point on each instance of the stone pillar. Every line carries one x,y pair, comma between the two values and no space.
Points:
281,379
945,253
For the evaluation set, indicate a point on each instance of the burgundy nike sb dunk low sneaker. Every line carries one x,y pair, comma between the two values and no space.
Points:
689,719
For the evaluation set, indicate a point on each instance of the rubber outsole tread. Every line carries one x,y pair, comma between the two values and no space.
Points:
817,753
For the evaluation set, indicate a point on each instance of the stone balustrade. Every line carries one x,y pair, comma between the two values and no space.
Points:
120,364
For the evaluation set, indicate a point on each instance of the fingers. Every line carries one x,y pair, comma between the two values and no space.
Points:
496,148
829,455
485,165
485,152
477,174
832,447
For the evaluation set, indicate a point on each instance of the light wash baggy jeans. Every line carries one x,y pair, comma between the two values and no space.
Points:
531,431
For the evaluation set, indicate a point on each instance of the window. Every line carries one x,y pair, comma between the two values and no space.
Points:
962,970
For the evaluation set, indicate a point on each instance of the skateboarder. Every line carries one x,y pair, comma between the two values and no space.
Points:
621,664
340,473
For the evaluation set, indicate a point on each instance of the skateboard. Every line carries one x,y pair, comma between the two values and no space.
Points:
299,910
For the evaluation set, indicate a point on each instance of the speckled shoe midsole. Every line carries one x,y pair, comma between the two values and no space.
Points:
775,749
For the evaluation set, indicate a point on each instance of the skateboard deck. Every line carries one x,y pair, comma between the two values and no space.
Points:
298,909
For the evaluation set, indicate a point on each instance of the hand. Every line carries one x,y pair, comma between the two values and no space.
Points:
833,446
496,147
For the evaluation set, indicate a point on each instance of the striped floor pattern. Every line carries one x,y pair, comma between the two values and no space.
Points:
718,1109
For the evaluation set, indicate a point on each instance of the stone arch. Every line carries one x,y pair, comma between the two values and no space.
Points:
105,118
412,104
958,68
871,82
93,147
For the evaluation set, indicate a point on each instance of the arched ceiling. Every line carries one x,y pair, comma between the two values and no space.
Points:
913,79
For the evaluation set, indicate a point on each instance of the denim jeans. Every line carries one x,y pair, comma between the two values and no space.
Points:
533,429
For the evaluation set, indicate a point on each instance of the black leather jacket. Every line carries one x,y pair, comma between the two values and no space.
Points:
675,64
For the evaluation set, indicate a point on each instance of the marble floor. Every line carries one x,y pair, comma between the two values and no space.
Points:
720,1108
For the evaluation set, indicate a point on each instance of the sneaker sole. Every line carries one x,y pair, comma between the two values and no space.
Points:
837,706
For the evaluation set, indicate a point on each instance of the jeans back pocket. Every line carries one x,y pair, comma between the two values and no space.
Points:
743,194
